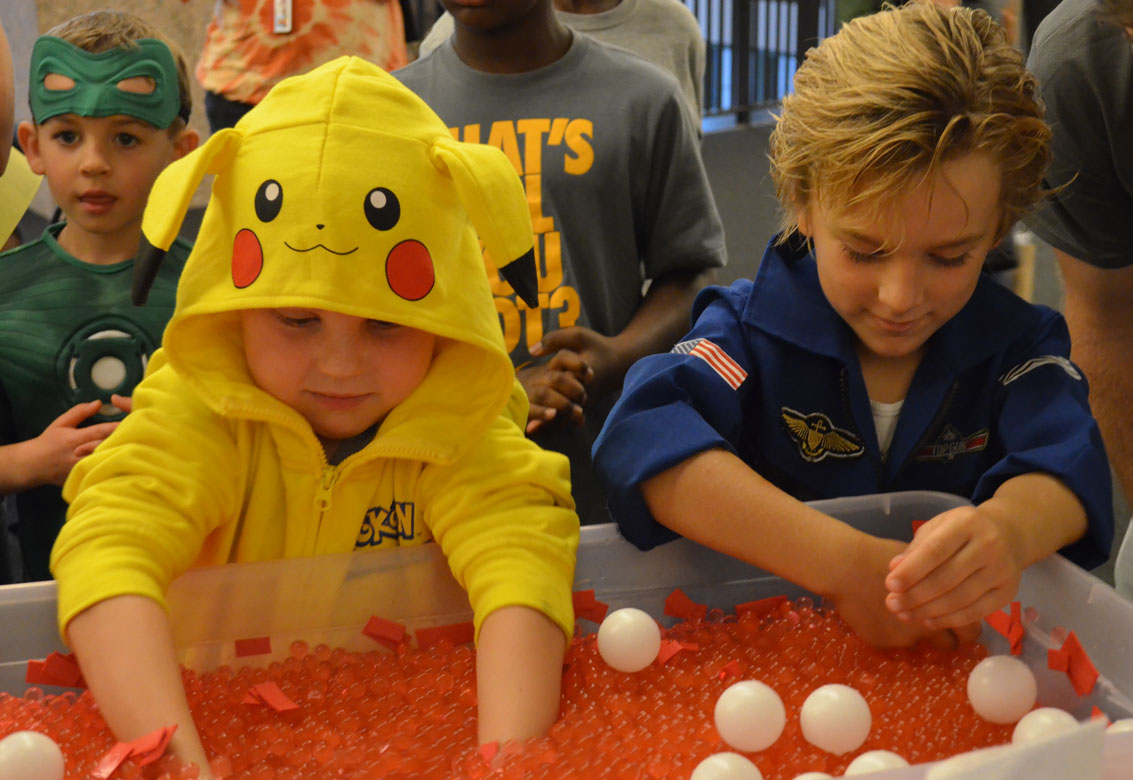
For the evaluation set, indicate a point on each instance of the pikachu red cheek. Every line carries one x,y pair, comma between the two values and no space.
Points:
409,270
247,258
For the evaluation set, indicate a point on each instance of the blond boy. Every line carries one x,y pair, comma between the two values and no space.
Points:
870,354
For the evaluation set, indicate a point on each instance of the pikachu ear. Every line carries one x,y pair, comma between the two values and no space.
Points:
169,201
494,199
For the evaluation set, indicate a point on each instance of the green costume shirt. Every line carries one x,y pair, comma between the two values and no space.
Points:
69,334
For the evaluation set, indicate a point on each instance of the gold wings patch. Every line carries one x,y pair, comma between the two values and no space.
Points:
817,437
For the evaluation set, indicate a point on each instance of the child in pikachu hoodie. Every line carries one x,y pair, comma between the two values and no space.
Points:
333,378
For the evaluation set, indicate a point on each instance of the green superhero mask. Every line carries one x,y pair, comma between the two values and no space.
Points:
96,91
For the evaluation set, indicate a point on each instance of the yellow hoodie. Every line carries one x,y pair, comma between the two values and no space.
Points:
210,469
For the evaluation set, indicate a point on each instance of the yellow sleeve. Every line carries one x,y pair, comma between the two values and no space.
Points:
505,519
142,504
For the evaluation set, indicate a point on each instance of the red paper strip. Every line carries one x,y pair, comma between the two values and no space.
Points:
587,607
679,605
151,747
64,668
260,645
273,697
56,669
1096,713
1072,659
251,698
762,607
1015,628
730,668
489,750
595,612
458,634
669,648
110,761
34,675
1000,621
385,632
144,750
581,598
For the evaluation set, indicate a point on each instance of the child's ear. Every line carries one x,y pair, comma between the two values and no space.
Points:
186,141
28,135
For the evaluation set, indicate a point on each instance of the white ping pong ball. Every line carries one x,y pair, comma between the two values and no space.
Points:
874,761
814,776
1001,689
29,755
726,766
750,716
835,718
629,640
1041,724
1120,726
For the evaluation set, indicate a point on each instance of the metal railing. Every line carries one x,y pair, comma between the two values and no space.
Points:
753,47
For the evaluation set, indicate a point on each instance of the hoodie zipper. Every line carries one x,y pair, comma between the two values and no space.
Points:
323,495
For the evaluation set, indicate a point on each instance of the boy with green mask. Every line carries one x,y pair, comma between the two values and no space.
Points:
110,101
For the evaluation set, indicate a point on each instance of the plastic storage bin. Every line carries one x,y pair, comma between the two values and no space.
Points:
330,598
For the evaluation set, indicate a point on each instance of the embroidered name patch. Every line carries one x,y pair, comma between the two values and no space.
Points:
952,443
1033,363
719,360
817,437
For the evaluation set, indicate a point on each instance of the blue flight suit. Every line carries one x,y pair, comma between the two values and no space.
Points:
769,373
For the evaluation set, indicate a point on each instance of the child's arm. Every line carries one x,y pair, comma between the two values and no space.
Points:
715,499
48,458
519,667
125,650
967,562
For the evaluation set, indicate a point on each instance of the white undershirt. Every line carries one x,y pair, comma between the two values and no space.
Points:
885,421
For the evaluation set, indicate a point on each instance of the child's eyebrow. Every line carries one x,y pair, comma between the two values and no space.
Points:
867,240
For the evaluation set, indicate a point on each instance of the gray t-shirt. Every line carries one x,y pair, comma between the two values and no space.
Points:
1085,69
662,31
617,189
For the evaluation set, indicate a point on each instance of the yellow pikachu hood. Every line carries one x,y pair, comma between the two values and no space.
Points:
342,190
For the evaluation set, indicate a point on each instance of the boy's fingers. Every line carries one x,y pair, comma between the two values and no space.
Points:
569,360
95,432
972,613
569,387
76,414
920,560
123,402
917,605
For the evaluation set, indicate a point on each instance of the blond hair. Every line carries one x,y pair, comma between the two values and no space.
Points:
101,31
879,107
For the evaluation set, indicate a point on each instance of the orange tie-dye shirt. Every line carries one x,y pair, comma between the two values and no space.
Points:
243,58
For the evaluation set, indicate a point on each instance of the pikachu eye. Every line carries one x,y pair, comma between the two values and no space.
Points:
382,209
269,200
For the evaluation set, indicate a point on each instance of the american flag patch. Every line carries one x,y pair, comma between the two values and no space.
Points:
728,369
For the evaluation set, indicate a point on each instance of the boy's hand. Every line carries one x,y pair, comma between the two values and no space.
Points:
124,403
556,389
860,600
589,365
961,566
62,444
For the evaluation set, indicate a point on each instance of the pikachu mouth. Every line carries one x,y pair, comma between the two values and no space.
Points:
319,246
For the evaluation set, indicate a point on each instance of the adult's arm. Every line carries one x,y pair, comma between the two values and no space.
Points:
1099,312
